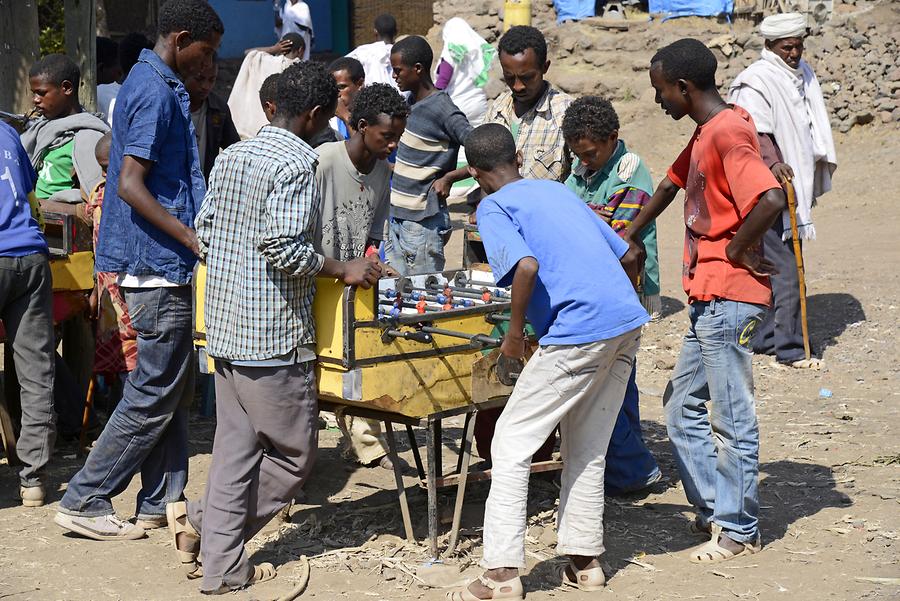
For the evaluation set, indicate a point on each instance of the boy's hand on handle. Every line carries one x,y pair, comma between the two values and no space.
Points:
633,260
362,272
752,261
782,172
513,345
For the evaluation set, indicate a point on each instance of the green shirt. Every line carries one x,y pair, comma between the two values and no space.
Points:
57,171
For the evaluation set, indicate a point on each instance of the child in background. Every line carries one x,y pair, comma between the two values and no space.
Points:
267,92
61,143
115,351
426,164
616,184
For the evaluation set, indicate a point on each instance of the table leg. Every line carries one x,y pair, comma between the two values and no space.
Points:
459,460
414,445
465,458
398,478
438,447
433,467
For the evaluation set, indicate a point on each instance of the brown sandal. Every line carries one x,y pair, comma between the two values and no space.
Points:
182,530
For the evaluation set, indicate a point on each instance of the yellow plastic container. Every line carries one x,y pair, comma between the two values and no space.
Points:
516,12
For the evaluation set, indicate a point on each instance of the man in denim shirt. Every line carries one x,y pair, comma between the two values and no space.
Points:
155,187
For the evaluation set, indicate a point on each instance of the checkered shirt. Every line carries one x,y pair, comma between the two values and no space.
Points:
540,138
256,229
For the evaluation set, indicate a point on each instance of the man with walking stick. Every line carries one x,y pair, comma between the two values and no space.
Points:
782,94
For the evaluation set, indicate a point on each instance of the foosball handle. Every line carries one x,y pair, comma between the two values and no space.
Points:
508,369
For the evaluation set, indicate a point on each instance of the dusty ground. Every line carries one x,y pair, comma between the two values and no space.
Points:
830,465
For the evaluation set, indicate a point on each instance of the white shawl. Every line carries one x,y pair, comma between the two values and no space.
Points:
246,111
788,104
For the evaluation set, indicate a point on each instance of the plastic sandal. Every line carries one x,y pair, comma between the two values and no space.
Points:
513,590
592,579
712,552
180,525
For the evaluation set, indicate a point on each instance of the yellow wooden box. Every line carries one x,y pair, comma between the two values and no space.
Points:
359,365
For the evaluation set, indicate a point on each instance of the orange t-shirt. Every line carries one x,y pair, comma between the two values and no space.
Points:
723,177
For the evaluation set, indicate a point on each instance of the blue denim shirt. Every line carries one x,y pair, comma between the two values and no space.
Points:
152,121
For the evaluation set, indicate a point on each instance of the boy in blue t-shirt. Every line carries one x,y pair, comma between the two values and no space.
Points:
572,276
26,310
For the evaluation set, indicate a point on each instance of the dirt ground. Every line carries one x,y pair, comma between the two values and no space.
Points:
830,454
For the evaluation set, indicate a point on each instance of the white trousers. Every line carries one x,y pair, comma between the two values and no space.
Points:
580,388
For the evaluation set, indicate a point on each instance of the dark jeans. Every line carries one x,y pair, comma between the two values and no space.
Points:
781,333
629,463
26,308
148,430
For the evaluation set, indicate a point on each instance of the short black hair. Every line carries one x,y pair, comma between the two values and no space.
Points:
103,144
269,88
687,59
196,17
590,117
489,146
107,52
304,86
377,99
296,40
521,37
414,50
386,25
130,49
57,68
350,65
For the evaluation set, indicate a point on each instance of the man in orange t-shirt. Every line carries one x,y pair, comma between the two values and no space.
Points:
731,199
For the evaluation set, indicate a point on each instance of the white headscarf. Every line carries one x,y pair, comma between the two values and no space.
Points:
785,25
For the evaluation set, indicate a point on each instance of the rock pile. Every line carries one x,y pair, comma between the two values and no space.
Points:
856,55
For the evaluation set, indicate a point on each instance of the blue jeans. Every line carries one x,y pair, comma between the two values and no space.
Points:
711,416
629,463
148,431
415,247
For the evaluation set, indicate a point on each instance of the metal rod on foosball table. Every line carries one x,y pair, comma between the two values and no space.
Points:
479,339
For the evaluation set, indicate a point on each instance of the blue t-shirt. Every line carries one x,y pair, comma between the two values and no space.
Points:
20,234
582,294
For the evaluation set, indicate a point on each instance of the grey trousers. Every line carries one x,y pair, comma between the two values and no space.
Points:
26,308
780,332
265,444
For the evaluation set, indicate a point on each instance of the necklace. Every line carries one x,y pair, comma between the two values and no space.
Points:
716,108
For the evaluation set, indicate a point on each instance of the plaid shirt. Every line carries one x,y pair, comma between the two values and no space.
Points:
540,138
256,230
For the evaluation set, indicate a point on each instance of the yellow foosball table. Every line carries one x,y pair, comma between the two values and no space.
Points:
411,351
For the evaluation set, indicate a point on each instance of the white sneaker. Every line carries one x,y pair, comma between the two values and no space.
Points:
103,527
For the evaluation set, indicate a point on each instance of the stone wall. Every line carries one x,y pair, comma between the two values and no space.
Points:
856,55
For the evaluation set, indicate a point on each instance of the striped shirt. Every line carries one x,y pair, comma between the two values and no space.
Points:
539,137
256,229
428,150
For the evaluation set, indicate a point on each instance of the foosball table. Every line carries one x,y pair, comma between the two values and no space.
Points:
412,351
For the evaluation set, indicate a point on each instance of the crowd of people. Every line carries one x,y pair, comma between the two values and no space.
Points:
345,171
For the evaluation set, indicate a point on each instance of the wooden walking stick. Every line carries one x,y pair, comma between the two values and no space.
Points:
798,255
88,404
